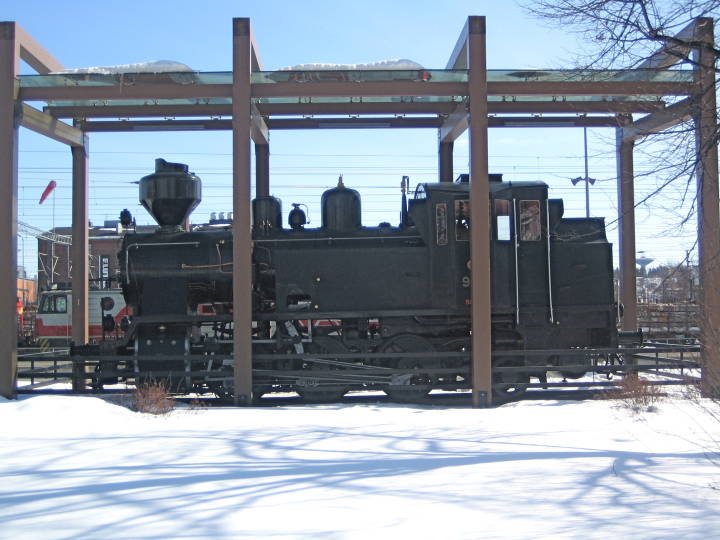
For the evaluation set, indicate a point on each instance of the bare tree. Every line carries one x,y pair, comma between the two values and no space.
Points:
624,34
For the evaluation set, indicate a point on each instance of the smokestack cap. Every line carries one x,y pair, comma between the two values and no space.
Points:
171,193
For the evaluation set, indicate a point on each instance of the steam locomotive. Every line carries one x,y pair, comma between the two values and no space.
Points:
345,307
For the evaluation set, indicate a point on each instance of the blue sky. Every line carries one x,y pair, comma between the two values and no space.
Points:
304,163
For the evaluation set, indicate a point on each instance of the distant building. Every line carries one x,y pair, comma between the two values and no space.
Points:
54,260
26,290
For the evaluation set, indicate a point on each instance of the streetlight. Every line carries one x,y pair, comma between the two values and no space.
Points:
588,181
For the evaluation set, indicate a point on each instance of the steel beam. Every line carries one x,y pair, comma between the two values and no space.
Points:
553,121
352,108
626,228
673,52
258,126
355,107
145,111
125,92
445,161
480,214
354,123
279,123
242,241
336,123
574,107
708,209
80,248
354,89
590,88
51,127
459,55
255,60
9,68
259,90
262,170
676,113
34,54
154,125
455,124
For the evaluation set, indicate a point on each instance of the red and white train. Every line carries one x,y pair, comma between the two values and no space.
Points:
53,322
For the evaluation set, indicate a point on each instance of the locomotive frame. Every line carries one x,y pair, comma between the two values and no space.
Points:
407,332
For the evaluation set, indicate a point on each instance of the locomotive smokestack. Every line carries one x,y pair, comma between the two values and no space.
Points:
170,194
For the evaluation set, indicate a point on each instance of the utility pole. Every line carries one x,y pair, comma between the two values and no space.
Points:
588,181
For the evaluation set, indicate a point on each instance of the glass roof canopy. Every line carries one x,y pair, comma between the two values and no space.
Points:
425,77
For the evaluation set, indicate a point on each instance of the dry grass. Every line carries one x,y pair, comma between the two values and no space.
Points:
637,394
153,397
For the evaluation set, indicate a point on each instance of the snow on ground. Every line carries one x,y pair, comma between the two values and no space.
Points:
81,467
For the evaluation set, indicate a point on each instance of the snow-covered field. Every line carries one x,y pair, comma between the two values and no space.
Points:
81,467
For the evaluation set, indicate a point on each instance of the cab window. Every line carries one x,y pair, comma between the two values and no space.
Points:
56,303
462,220
530,229
502,220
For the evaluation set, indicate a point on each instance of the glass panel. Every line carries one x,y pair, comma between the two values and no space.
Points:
360,75
503,228
571,75
61,304
502,219
139,102
462,220
117,79
424,75
530,221
502,207
185,78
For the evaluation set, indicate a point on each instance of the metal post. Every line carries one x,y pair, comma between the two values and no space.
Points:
445,161
708,209
587,176
626,229
79,251
9,62
480,208
242,241
262,170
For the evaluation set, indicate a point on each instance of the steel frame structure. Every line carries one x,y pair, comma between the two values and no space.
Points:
472,103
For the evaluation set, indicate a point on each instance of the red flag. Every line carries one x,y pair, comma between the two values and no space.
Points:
48,191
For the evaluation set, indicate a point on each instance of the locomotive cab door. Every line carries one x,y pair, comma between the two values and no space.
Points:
503,258
531,243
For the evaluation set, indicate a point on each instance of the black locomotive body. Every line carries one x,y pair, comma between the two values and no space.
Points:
345,307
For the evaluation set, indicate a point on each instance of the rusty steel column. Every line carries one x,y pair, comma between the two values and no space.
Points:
627,295
9,65
445,161
480,214
262,170
242,241
708,209
80,244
